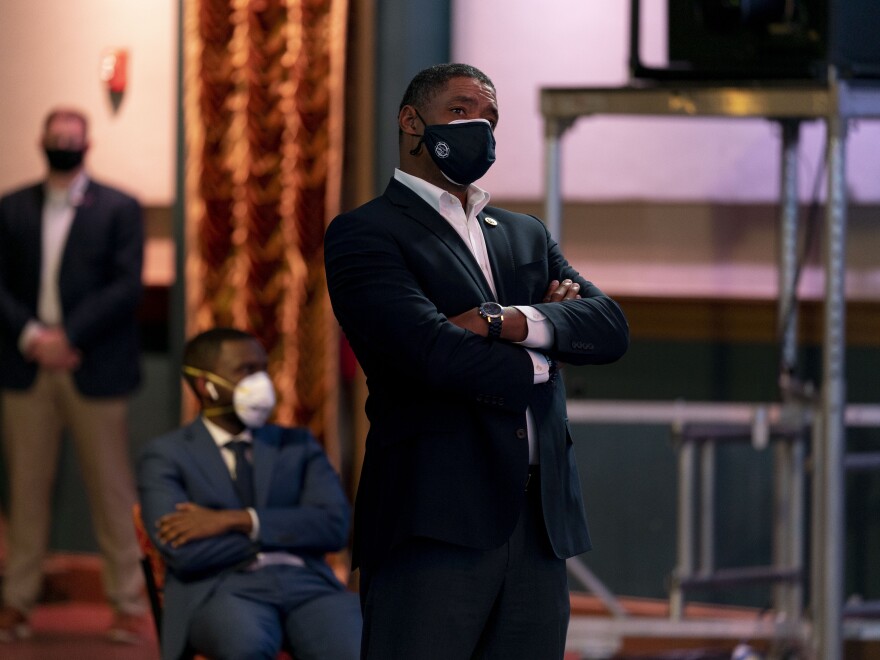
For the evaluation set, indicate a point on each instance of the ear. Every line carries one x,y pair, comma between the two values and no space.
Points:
409,121
199,387
212,390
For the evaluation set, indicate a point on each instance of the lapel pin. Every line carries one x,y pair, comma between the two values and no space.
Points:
492,222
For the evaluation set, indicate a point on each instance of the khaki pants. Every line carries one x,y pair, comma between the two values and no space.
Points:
33,421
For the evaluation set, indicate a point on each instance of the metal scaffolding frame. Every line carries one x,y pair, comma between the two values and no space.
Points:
835,103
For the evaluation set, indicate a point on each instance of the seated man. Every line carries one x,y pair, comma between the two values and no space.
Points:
244,532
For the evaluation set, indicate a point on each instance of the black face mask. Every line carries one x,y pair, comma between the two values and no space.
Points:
463,151
64,160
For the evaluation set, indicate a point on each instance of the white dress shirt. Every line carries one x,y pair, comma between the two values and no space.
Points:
59,209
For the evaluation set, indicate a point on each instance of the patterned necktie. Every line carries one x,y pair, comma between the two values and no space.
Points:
244,472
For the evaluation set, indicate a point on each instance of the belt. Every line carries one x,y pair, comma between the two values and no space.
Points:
264,559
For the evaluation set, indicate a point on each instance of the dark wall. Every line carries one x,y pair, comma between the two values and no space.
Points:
411,35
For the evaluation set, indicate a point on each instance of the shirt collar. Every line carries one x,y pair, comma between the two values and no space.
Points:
477,198
222,436
73,194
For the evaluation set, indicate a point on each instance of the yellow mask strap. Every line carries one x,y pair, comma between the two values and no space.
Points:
214,378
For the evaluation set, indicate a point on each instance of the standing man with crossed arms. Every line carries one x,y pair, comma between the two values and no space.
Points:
469,499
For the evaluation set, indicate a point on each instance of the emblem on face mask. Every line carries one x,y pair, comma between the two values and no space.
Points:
463,150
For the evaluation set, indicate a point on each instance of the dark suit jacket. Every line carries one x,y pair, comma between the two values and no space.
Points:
299,501
100,286
446,454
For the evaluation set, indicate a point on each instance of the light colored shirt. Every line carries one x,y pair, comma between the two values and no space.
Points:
59,209
465,223
221,438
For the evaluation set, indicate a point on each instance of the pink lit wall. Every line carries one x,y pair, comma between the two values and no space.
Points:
51,54
524,46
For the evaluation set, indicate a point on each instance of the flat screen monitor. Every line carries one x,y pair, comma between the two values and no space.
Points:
763,40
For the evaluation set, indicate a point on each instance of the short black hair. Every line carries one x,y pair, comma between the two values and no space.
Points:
430,81
202,350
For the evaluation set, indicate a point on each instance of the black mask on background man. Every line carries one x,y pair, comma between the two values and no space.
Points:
64,160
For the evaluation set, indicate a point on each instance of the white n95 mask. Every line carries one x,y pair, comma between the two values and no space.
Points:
253,399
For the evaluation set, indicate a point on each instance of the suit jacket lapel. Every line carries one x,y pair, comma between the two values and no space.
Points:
500,257
206,455
79,225
416,208
31,225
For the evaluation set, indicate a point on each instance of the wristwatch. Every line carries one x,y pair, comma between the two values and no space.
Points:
494,315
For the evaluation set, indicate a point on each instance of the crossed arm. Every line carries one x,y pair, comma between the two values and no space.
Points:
190,522
515,327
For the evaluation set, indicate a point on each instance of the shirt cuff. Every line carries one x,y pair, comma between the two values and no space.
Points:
541,365
540,330
30,331
255,524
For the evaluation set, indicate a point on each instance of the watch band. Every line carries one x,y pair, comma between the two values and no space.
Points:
495,327
493,312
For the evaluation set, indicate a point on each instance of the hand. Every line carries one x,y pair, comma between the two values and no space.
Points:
190,522
52,350
559,291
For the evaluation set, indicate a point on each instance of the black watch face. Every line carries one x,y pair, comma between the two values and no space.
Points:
491,309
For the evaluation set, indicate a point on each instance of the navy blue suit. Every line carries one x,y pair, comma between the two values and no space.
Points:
446,456
298,498
100,287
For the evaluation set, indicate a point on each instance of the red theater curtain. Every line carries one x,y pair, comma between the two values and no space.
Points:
264,82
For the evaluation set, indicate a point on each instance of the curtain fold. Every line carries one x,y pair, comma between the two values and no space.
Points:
264,92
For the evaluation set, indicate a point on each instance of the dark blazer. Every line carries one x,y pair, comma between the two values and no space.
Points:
299,501
100,286
446,454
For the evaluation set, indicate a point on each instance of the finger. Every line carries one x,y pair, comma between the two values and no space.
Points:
572,291
561,291
165,535
550,290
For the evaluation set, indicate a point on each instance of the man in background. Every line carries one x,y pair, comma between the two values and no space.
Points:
243,513
71,251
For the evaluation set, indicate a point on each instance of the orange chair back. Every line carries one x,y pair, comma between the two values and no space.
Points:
153,566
